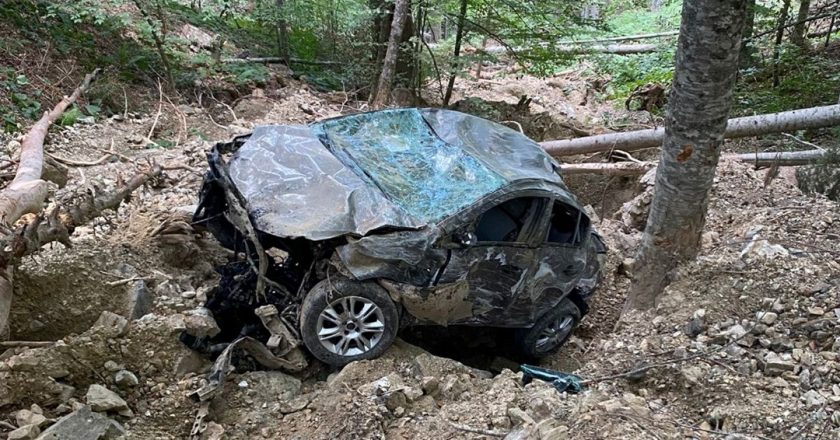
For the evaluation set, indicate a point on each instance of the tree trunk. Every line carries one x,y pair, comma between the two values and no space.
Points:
814,117
780,33
747,49
701,96
386,77
798,37
459,35
282,32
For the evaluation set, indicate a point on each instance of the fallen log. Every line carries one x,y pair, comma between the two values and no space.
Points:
27,191
622,38
607,169
278,60
57,226
814,117
782,159
573,49
764,159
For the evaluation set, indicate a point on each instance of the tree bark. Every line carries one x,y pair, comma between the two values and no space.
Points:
746,57
780,33
386,77
459,36
814,117
282,32
798,36
701,96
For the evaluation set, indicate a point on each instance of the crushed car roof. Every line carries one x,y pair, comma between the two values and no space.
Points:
403,168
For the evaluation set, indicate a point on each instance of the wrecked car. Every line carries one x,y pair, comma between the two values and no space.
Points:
356,226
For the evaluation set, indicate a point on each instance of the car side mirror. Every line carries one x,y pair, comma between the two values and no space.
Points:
464,238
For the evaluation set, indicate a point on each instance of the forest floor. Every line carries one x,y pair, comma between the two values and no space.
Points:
744,344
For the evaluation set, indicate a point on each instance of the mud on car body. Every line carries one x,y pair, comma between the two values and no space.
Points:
355,226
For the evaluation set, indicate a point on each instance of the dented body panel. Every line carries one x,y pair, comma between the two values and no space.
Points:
415,200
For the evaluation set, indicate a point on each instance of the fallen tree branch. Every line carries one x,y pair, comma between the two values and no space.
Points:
623,38
26,193
814,117
607,169
57,225
760,160
279,60
573,49
30,344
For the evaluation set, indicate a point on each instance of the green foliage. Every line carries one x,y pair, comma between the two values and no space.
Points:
641,20
22,101
247,74
69,117
629,72
806,80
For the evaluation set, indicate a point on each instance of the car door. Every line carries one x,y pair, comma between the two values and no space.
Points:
490,260
561,255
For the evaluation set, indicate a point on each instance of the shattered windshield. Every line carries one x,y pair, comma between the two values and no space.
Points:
398,152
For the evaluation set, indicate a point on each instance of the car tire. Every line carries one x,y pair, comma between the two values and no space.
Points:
343,321
550,331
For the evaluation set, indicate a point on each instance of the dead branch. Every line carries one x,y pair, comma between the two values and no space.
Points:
57,225
26,193
607,169
759,160
30,344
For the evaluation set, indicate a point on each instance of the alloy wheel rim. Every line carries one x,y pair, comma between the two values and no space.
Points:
350,326
555,333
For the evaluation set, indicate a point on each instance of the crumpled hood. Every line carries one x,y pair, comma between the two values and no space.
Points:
402,168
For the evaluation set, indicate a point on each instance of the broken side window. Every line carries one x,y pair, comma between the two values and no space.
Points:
505,222
568,225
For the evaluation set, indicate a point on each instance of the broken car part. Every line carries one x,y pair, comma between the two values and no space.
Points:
400,217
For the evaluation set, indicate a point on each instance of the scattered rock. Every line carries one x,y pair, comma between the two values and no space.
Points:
190,362
112,366
271,385
775,365
813,398
199,322
693,375
140,300
126,379
28,417
816,311
83,425
111,324
26,432
763,249
768,318
102,399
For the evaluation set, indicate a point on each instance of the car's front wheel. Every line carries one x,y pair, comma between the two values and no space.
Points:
550,331
343,321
